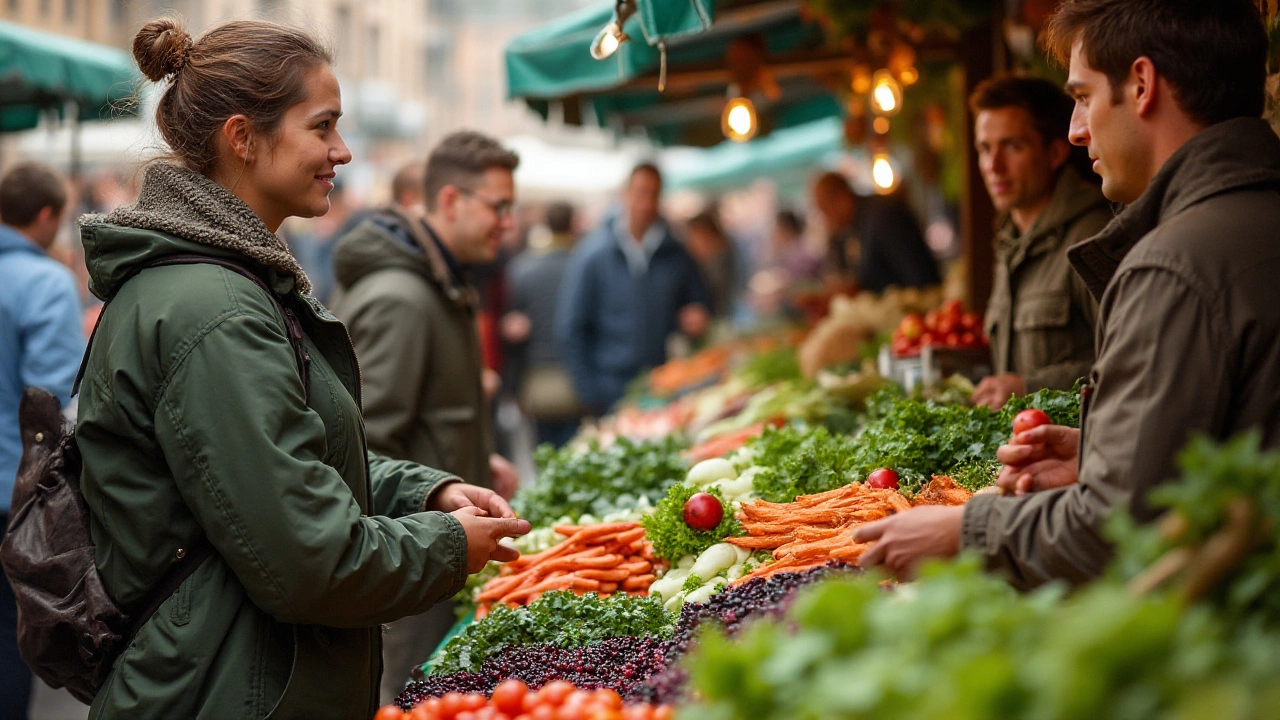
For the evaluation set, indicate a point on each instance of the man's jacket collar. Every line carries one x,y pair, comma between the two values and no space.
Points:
1225,157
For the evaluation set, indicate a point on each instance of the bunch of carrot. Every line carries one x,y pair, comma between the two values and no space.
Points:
816,529
604,558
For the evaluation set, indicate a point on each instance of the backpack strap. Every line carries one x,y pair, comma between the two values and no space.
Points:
293,326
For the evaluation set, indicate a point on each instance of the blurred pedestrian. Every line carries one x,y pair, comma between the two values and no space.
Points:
718,260
200,425
629,287
874,242
40,346
535,278
410,306
788,250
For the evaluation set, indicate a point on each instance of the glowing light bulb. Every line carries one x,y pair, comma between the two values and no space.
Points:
880,125
608,41
738,121
882,173
886,94
910,76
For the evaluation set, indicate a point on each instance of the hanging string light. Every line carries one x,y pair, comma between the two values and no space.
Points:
886,94
738,120
882,174
611,37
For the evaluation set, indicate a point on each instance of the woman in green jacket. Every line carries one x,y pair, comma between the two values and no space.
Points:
194,422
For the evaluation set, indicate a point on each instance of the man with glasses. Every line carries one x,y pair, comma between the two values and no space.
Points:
409,304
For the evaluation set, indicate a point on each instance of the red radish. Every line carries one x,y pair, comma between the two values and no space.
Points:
884,479
703,511
1029,418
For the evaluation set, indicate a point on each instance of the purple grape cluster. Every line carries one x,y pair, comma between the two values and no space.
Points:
615,663
758,597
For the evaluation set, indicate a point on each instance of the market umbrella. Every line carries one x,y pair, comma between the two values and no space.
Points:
42,72
790,154
551,65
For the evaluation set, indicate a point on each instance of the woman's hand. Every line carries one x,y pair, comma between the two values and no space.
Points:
456,496
1041,458
483,534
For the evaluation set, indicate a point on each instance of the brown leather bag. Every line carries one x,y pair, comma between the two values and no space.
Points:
69,628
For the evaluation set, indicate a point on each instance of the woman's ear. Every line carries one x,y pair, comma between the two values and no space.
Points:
237,131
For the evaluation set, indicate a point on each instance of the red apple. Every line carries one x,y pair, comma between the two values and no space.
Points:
703,511
884,479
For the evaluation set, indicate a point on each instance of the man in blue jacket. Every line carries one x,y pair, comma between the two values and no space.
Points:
629,286
40,345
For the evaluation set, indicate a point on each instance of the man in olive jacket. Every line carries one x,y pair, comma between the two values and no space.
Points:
1040,316
411,312
1189,326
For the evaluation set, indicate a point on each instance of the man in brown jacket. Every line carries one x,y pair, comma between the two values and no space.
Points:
1189,323
411,312
1040,317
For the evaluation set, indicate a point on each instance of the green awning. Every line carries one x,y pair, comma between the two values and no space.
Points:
553,60
42,72
795,153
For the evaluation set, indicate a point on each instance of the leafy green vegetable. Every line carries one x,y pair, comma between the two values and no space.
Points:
691,583
797,460
599,480
672,538
557,618
771,367
919,438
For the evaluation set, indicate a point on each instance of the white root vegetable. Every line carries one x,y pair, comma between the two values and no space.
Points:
709,471
714,559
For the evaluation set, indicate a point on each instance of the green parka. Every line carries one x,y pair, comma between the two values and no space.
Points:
192,421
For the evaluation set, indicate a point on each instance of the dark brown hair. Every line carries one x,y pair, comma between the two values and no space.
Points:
26,190
408,179
460,159
1049,107
560,218
645,167
1213,52
244,67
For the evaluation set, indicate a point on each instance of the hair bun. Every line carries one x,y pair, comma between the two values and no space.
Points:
161,48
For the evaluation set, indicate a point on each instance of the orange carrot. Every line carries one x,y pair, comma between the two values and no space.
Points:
639,582
612,576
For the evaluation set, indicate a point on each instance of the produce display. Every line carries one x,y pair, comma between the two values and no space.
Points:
951,327
604,558
1186,626
707,570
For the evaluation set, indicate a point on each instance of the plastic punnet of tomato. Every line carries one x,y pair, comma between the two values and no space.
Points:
513,700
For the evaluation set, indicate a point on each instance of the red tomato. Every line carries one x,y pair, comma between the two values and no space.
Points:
509,696
884,479
703,512
931,320
970,322
928,339
911,326
421,712
663,712
951,340
947,325
389,712
1029,418
543,712
953,308
452,703
607,698
474,701
555,692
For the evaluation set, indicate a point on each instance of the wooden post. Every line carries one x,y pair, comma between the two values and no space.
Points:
979,48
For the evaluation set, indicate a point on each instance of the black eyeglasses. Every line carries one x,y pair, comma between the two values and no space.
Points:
501,208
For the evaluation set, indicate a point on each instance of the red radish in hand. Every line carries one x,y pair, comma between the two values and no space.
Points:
884,479
703,511
1029,418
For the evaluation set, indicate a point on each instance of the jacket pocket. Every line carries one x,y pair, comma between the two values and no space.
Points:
1042,334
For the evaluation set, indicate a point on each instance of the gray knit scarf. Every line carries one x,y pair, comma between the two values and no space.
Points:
189,205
